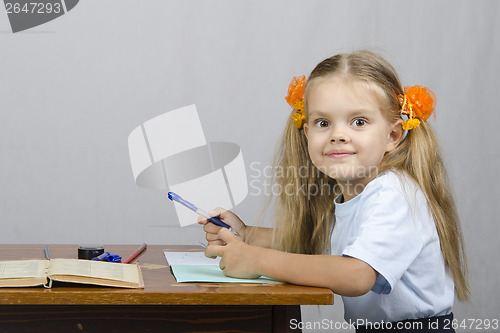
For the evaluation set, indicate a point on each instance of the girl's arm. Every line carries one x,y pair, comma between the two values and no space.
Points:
259,236
343,275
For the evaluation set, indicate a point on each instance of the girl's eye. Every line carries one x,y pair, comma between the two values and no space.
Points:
359,122
322,123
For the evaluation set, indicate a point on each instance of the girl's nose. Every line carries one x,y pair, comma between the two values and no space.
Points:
339,136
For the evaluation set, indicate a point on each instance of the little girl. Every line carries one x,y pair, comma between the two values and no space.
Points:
372,218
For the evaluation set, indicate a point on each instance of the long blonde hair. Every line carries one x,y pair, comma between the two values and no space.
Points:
304,210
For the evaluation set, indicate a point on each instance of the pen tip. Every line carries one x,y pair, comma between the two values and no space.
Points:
173,196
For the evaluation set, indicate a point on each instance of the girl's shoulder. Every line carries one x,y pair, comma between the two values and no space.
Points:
393,181
393,193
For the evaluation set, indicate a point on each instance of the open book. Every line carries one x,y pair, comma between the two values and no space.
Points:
28,273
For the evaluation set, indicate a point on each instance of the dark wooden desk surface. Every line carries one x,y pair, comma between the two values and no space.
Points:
162,306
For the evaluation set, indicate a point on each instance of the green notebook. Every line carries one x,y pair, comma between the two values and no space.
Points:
195,267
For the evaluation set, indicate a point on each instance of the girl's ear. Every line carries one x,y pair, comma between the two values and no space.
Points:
306,129
396,134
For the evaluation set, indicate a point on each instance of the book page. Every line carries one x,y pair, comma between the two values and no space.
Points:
95,269
189,258
22,269
23,273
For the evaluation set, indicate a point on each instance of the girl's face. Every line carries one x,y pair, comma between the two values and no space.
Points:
346,131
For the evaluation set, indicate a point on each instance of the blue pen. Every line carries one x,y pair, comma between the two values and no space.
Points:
101,257
106,256
175,197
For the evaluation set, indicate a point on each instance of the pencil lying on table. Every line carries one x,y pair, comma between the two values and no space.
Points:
137,253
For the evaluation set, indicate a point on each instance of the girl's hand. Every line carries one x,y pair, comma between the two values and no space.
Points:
238,258
229,218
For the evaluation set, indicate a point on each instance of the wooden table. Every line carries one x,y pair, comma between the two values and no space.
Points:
162,306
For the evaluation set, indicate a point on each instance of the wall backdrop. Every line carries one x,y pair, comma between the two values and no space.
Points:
74,88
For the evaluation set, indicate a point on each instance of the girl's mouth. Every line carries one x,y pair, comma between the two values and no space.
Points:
339,154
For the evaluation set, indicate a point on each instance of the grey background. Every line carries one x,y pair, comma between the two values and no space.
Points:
74,88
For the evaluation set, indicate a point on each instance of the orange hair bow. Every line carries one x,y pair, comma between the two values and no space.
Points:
295,98
417,102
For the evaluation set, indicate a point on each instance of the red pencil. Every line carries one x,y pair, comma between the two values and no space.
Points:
137,253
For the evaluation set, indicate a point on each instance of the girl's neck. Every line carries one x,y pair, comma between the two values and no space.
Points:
351,188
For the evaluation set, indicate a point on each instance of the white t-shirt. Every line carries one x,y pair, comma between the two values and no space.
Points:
390,227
